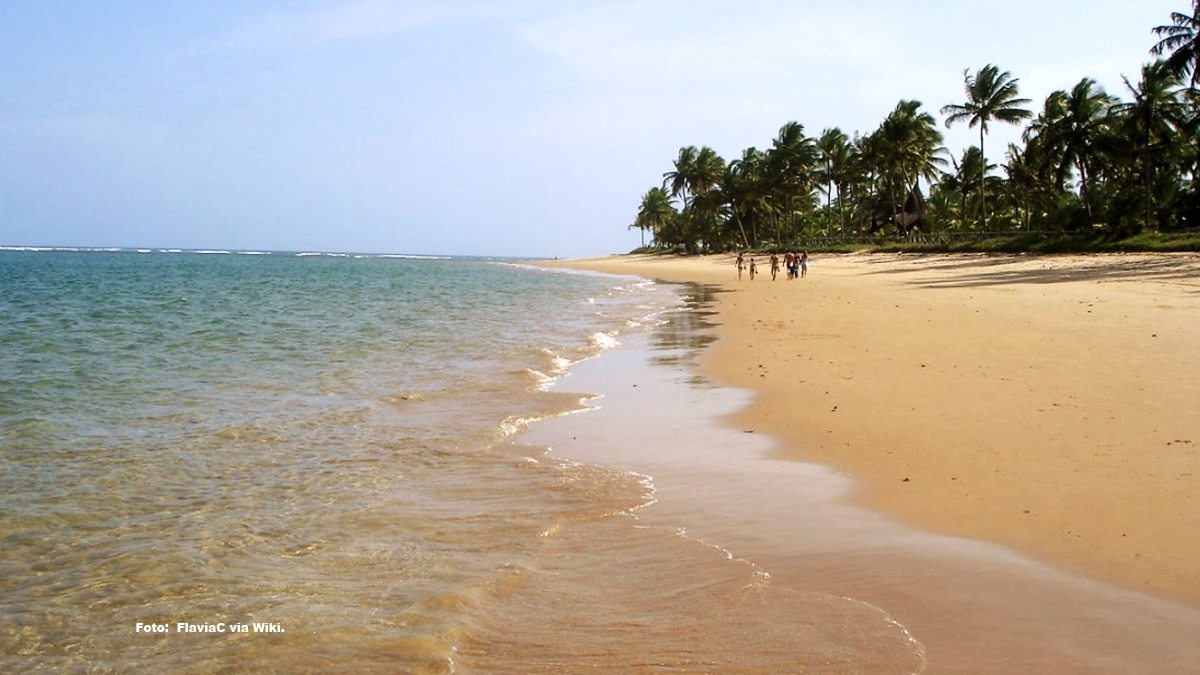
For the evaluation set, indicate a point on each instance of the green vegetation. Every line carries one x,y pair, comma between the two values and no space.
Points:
1092,173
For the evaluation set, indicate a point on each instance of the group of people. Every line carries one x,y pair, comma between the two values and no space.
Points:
796,263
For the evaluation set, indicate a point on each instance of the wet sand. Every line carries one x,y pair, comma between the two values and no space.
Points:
966,605
1046,404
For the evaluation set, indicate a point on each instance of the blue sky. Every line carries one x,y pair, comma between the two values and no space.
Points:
509,127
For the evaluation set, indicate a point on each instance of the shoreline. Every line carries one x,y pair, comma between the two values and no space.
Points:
1041,403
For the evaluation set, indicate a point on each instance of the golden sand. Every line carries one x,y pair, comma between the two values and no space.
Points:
1051,404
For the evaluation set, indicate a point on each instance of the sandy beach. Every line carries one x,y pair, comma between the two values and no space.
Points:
1047,404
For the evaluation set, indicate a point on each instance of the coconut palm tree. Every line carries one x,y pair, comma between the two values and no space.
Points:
655,213
790,165
706,204
681,178
1068,130
910,148
834,149
749,194
991,95
1153,122
965,179
707,171
1027,187
1180,40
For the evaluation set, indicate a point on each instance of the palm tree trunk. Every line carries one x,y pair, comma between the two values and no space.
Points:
829,201
1083,189
892,198
982,181
737,218
841,208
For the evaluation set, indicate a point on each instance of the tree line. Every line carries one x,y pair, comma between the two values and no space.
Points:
1087,161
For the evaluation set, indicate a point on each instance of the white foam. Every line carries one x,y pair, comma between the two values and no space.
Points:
544,381
602,341
561,364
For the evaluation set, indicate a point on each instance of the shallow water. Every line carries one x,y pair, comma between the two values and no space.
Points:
318,442
303,463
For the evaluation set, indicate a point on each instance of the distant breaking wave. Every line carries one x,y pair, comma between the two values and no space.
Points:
213,251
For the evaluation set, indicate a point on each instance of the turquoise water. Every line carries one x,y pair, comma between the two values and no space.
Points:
222,462
315,441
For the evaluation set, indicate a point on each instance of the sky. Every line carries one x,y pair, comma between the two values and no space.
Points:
501,128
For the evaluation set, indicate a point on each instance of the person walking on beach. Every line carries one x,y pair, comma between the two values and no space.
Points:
753,269
774,266
803,264
741,264
789,259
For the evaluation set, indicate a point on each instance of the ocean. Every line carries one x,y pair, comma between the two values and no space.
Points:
216,461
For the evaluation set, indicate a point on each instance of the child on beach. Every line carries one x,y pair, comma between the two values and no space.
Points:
774,266
753,269
803,264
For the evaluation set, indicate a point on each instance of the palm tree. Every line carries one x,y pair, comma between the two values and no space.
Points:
656,213
681,177
744,192
871,156
991,95
921,150
706,177
846,172
834,148
1068,130
910,149
1181,39
1025,185
749,193
789,164
1153,121
965,178
696,173
707,171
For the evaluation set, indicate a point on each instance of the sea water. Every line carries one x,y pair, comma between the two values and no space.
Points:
213,461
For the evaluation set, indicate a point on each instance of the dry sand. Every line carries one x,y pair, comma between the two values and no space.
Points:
1050,404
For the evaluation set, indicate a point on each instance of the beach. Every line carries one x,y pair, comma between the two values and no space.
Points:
1043,406
1045,403
209,463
